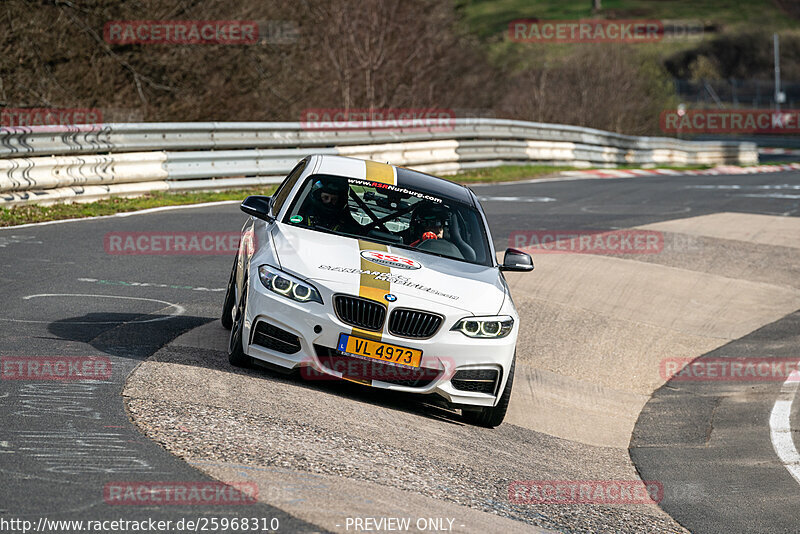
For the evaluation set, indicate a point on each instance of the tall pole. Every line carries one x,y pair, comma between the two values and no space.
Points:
778,95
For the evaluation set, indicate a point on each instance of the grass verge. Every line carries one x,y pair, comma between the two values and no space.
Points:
35,213
510,173
506,173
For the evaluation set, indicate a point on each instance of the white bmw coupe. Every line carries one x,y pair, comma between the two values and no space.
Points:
380,275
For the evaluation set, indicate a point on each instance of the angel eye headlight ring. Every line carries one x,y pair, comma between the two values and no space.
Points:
287,285
485,327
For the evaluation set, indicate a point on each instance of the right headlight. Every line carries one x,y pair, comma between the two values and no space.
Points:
485,327
287,285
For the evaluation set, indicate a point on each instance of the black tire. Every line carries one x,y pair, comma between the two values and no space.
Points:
230,298
492,416
236,355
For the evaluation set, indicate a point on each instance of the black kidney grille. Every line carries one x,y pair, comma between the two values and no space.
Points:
360,312
414,323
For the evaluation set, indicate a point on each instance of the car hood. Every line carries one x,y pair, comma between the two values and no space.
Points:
350,263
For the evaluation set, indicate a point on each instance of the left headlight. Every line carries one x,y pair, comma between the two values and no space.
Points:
287,285
485,327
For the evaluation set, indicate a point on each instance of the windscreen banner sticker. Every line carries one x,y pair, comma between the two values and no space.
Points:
393,188
390,260
388,277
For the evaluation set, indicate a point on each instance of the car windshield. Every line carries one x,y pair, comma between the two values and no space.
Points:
393,215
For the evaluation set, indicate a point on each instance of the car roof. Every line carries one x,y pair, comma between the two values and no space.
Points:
403,177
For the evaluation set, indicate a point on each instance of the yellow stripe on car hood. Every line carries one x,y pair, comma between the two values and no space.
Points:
369,287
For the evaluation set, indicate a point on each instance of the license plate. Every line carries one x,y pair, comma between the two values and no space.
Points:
385,352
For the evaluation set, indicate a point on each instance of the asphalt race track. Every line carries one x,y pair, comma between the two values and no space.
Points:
590,402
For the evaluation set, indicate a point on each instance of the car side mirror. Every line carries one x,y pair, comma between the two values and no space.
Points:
516,260
258,206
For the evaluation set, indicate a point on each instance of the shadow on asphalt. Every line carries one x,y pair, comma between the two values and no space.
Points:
125,335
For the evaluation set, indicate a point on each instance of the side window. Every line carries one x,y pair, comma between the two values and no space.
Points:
286,187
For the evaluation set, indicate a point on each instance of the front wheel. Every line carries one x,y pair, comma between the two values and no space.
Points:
230,298
492,416
236,355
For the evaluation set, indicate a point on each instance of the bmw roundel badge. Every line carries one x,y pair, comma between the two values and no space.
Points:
390,297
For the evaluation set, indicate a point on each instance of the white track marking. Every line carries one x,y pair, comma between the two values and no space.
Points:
771,195
178,310
780,426
608,210
148,284
562,178
770,187
126,214
712,187
516,199
18,239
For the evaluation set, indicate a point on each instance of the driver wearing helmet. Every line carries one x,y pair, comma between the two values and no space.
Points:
328,206
428,223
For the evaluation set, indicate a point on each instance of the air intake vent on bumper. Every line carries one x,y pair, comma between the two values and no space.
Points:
271,337
476,380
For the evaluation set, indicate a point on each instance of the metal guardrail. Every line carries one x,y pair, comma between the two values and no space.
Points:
87,162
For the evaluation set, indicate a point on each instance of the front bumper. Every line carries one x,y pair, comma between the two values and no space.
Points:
317,330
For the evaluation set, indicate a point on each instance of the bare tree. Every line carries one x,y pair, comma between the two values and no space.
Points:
348,53
396,53
600,86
